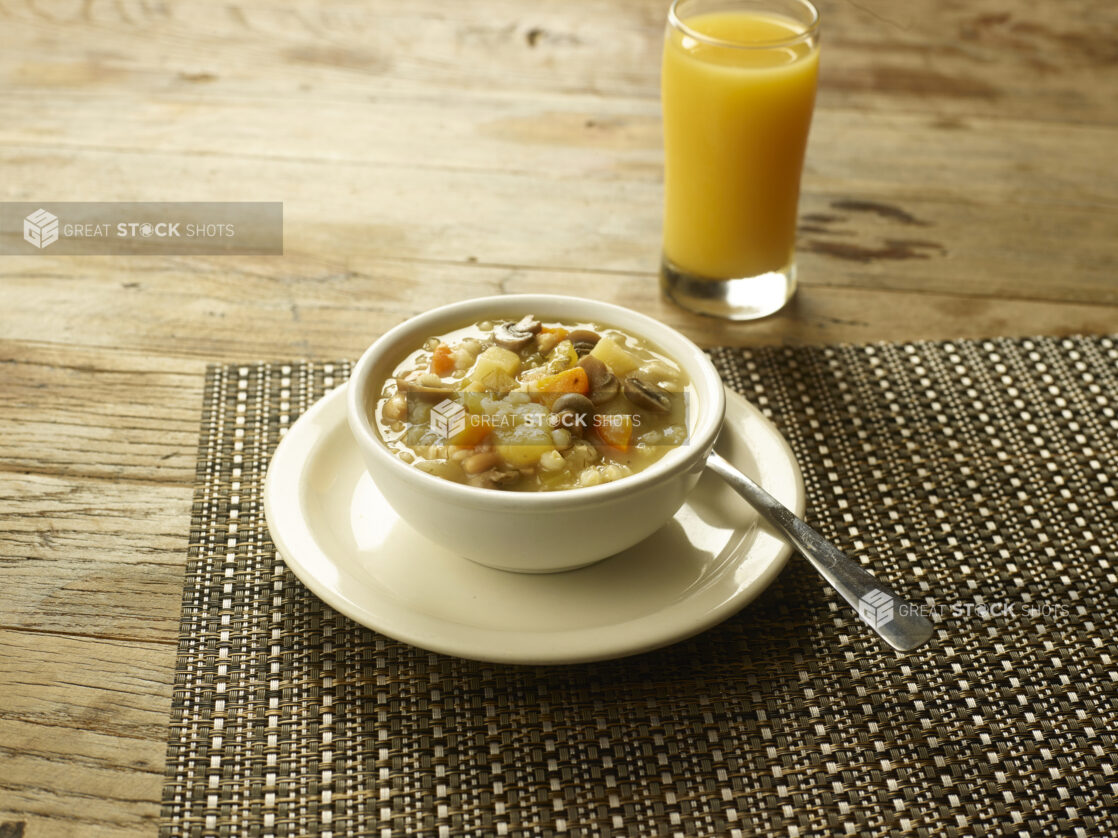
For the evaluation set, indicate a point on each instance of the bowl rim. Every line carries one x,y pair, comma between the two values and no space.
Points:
708,387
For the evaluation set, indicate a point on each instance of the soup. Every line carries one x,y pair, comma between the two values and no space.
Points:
534,406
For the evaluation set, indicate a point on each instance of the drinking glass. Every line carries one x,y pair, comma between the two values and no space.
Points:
738,89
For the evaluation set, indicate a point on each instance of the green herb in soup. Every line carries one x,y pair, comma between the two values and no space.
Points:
531,406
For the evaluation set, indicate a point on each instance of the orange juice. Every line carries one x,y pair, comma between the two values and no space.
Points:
737,95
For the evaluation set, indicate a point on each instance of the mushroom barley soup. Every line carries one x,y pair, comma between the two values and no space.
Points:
531,406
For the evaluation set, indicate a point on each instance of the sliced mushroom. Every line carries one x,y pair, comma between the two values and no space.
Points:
516,336
572,412
575,402
529,323
424,391
583,340
646,395
603,383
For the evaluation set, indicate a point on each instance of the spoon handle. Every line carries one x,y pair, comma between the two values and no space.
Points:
880,607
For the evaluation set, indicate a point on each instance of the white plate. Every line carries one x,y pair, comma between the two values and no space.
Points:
340,537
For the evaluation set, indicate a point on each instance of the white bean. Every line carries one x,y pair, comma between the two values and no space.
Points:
480,462
395,408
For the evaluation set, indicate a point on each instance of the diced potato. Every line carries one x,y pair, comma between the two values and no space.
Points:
495,359
522,455
619,360
471,399
662,374
562,357
523,446
519,455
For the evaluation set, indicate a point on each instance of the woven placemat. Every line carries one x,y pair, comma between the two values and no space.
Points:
980,477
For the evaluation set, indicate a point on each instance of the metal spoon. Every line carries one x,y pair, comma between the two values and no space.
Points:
880,607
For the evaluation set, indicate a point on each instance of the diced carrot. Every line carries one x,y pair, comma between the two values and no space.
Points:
442,360
550,387
615,430
558,331
472,434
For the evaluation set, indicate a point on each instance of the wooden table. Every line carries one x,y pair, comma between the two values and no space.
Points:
961,181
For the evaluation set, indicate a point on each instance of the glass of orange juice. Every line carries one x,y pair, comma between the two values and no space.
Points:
737,89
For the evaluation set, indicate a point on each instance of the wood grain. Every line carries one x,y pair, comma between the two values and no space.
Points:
960,183
83,732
